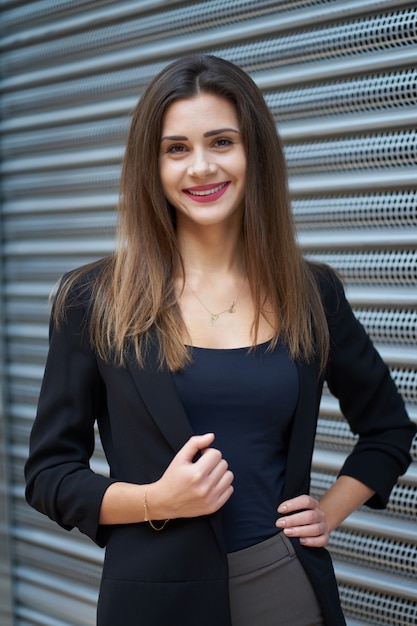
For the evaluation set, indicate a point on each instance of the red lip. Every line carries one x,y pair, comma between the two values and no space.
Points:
207,197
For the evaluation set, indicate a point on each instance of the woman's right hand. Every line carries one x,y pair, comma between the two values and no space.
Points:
188,487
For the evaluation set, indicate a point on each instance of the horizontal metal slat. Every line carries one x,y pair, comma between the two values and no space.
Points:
82,226
354,95
108,133
355,239
60,204
47,247
43,270
381,526
389,554
377,609
57,543
28,289
380,582
80,91
67,116
399,356
56,596
369,152
31,372
88,158
394,209
27,331
371,267
336,69
381,296
384,179
22,411
348,124
31,617
42,185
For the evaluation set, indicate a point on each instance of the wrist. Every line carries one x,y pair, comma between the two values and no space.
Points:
148,513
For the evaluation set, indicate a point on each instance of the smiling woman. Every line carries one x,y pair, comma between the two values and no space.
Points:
203,161
201,347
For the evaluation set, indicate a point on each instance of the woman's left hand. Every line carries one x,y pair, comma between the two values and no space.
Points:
302,517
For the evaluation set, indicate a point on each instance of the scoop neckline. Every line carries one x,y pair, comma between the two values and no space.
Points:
258,345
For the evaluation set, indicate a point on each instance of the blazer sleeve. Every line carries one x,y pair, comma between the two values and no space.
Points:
59,480
368,398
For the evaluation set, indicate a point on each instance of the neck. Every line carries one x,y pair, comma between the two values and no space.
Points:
213,253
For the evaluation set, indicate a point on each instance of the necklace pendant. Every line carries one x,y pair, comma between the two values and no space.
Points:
232,308
213,318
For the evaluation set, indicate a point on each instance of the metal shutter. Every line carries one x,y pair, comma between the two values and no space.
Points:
340,77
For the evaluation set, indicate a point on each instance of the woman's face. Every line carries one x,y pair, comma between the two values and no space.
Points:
202,162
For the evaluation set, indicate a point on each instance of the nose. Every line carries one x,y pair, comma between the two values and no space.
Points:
201,166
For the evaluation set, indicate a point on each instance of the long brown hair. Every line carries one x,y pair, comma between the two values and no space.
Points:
133,296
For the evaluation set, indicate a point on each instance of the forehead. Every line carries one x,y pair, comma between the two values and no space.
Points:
203,110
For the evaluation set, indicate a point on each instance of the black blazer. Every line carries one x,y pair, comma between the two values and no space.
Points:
180,574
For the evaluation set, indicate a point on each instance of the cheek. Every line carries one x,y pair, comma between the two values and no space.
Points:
165,178
242,175
239,165
169,175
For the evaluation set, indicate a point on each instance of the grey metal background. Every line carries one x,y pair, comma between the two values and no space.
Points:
340,77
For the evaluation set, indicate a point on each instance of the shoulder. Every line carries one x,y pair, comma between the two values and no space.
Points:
329,285
78,293
79,286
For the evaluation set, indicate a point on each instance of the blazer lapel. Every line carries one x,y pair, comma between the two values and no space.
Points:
157,389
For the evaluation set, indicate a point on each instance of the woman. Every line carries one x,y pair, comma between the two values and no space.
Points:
201,347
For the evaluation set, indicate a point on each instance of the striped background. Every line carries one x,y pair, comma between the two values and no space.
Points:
340,78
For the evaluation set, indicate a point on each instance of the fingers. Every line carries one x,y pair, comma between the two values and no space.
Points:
298,512
303,531
303,518
194,445
210,467
297,504
211,478
190,487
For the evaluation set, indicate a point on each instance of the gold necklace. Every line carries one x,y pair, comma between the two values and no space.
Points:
215,316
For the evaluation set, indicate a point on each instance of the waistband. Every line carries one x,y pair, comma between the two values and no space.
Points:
260,555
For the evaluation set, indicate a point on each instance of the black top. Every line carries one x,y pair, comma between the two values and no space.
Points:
247,398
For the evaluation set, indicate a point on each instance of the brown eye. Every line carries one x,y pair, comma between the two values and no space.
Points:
176,149
223,142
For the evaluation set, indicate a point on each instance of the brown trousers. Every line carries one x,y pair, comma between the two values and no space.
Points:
269,587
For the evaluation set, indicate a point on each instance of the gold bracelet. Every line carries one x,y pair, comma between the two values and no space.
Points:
147,518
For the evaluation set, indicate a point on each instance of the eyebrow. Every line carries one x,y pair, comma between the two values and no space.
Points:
209,133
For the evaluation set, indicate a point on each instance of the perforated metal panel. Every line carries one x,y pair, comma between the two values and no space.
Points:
341,81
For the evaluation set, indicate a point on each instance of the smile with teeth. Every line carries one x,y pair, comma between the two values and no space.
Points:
207,192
